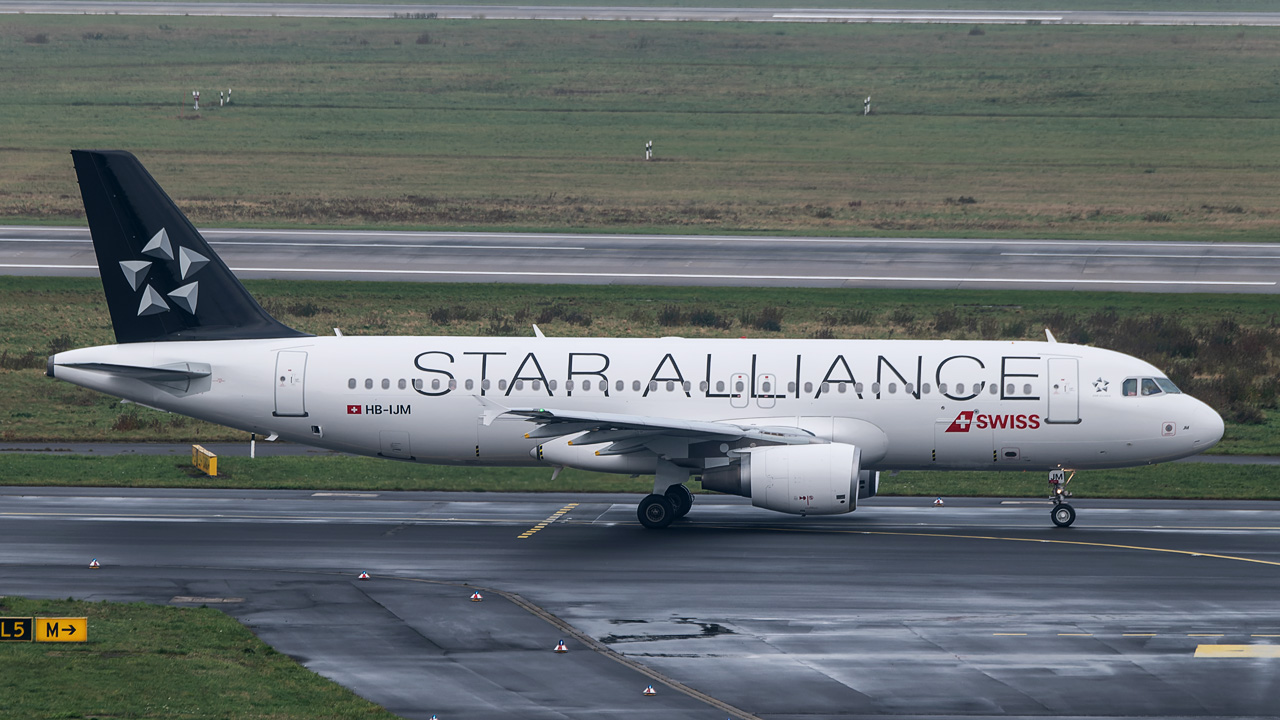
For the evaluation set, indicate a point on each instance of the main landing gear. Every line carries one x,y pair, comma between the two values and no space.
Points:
658,511
1062,513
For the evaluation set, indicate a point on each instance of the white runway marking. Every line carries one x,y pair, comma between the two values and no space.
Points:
250,243
1140,255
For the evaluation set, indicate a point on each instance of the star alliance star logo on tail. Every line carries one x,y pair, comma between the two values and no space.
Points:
188,263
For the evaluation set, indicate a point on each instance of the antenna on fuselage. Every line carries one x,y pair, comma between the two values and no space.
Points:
1049,336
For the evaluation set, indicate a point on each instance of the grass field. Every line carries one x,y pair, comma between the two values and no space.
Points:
1100,132
147,661
1224,349
1174,480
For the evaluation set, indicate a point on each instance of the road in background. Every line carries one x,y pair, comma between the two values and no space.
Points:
694,260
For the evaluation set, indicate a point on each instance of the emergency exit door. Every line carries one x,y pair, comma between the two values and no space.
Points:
1064,391
291,372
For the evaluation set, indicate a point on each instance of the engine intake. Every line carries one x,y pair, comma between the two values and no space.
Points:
798,479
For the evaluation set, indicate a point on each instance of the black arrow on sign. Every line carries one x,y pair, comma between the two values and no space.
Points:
70,629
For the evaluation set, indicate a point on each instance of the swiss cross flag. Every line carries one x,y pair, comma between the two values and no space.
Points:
353,409
961,423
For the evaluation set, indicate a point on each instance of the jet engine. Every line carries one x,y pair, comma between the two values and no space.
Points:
797,479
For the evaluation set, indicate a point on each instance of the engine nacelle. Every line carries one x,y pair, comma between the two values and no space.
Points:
797,479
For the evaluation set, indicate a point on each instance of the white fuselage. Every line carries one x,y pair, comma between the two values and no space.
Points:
908,404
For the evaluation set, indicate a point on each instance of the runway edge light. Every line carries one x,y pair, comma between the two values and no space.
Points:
475,596
93,564
938,502
560,648
649,691
363,576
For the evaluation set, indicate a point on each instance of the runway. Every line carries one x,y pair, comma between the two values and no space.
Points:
694,260
668,14
900,609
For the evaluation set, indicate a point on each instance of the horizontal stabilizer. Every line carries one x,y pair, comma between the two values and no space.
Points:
164,373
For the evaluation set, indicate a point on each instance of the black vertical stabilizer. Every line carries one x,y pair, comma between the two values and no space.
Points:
162,280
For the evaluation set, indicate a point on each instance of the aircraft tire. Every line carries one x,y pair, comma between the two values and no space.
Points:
655,512
1063,515
681,499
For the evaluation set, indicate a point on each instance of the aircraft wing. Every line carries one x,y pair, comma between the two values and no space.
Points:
629,433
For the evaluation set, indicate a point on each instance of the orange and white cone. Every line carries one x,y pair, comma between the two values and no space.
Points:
560,648
475,596
650,691
93,564
938,502
363,576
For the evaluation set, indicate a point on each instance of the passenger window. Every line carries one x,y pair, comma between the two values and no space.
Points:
686,385
843,387
551,384
635,385
702,386
826,387
620,385
536,384
435,384
875,388
907,388
808,387
959,388
924,388
470,384
386,384
1026,389
568,385
1008,389
453,384
994,388
519,384
671,386
653,386
586,384
351,384
739,387
1149,387
719,386
417,384
502,384
791,387
484,384
942,388
893,388
368,383
402,384
857,387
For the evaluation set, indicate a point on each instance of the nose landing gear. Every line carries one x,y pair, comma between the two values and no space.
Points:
1062,513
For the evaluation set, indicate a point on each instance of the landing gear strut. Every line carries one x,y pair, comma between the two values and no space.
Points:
1062,513
670,499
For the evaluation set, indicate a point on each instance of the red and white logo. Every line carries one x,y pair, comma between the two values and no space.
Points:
962,422
353,409
972,418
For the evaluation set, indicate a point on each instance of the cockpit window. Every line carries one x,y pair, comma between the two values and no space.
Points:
1149,386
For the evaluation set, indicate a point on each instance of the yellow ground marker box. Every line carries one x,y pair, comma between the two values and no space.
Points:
51,629
204,460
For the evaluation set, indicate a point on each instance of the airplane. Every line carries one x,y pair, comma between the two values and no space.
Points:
798,426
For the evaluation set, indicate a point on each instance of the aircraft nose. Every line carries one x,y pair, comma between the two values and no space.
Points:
1208,428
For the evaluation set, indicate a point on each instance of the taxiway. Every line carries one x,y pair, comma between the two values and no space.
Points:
900,609
694,260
